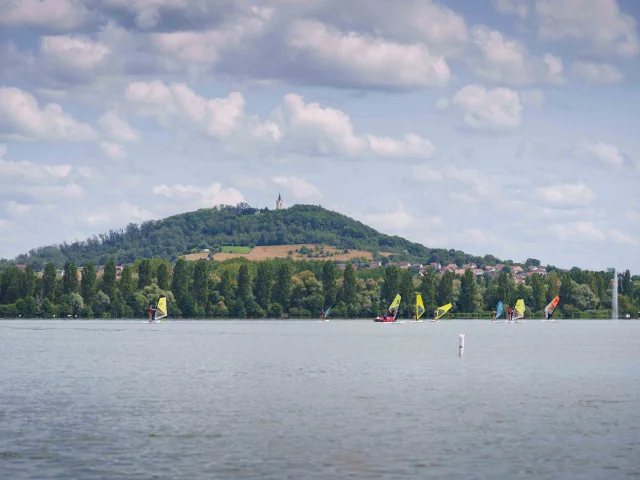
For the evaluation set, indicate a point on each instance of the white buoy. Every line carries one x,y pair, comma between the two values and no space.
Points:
461,344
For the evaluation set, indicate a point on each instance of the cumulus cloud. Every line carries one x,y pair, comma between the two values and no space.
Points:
519,8
294,127
57,15
299,188
395,219
583,231
600,23
117,128
509,61
565,195
193,196
21,118
597,73
359,60
113,150
601,151
486,109
117,214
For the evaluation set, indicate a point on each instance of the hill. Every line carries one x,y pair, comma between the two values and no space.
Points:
240,226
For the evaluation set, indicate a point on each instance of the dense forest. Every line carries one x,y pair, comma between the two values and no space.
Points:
239,288
240,226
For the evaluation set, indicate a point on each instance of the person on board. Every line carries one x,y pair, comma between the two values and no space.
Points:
149,312
392,313
494,315
510,314
322,314
435,314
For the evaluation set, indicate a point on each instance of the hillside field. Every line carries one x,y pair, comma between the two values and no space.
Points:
324,252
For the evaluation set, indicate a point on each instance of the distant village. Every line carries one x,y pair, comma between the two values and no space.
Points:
518,273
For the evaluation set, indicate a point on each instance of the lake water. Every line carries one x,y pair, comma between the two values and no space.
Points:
309,400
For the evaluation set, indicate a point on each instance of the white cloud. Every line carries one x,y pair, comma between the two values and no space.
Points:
509,61
598,22
117,128
198,51
53,14
588,231
578,231
565,195
365,60
518,8
76,52
16,209
604,152
633,216
618,237
597,73
117,214
294,127
22,119
392,220
298,187
113,150
425,174
493,109
535,97
200,197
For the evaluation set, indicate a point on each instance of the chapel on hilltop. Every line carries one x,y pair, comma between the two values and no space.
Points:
279,203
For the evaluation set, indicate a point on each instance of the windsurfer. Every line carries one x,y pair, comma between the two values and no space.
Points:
494,315
435,314
322,314
149,313
392,313
510,314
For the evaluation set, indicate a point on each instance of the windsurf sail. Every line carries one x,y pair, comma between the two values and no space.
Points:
549,309
519,309
395,304
419,306
499,310
161,308
442,310
326,314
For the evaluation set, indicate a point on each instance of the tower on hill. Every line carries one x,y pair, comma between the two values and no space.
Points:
279,203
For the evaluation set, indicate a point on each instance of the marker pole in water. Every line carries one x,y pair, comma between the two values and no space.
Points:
461,344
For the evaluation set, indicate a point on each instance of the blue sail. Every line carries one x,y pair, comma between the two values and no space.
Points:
499,309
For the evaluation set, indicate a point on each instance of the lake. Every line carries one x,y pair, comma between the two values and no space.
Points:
99,399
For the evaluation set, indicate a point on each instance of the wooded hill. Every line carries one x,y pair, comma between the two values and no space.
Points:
241,225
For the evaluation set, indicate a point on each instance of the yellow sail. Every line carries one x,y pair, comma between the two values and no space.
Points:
442,310
419,306
161,308
396,302
519,308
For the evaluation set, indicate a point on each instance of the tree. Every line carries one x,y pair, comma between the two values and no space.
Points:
329,285
428,290
263,284
244,282
467,292
349,286
180,281
88,282
28,282
109,280
226,286
391,285
126,284
145,274
282,288
70,278
531,262
49,281
164,276
539,292
200,284
407,290
445,288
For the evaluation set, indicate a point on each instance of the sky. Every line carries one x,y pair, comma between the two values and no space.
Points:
492,126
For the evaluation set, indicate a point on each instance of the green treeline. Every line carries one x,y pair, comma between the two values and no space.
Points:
239,288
